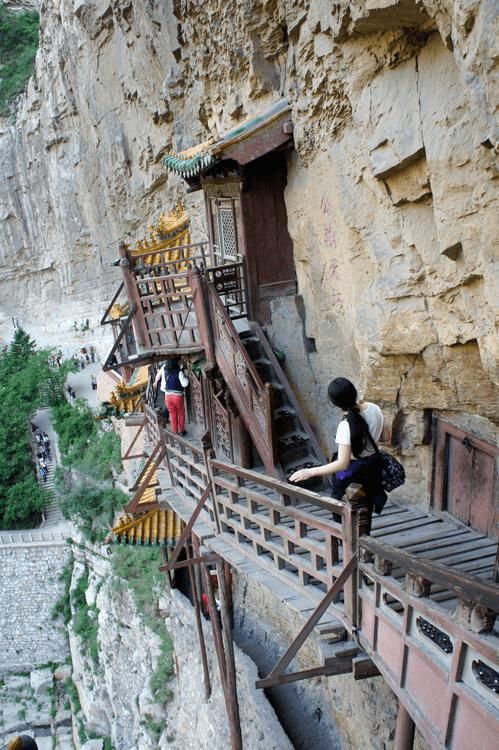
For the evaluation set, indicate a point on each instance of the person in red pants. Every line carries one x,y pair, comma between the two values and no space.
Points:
173,381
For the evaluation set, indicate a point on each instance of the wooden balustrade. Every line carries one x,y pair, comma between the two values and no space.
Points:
251,395
148,261
188,471
431,652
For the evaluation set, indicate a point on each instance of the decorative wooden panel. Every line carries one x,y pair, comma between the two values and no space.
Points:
442,672
197,399
222,434
251,396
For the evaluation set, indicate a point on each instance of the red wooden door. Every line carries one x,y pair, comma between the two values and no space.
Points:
465,478
267,244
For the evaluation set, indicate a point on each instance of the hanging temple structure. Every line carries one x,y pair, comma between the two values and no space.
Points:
415,602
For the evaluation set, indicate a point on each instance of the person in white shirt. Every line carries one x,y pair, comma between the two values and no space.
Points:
173,381
357,459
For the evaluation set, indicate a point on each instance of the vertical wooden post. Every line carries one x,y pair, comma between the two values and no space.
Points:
355,519
130,283
208,454
404,730
164,554
229,652
224,667
197,283
199,625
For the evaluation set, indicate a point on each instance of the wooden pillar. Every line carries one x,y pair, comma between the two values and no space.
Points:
130,282
355,519
230,662
199,291
404,730
199,625
208,454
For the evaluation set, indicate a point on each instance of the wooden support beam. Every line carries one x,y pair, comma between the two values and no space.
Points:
189,563
230,662
340,666
126,456
107,364
363,667
404,730
105,320
312,621
188,527
199,624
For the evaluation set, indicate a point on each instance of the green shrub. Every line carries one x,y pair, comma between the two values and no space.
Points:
72,693
23,372
83,443
62,608
85,619
24,503
18,46
91,508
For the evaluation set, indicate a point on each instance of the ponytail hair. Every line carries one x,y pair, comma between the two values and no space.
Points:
343,393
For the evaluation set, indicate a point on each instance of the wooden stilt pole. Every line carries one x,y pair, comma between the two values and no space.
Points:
199,626
234,726
404,730
230,662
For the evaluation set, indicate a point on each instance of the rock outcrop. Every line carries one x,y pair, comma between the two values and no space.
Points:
115,694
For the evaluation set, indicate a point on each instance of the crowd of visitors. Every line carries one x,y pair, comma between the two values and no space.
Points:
43,453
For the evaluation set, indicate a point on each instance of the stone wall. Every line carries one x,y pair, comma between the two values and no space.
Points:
29,589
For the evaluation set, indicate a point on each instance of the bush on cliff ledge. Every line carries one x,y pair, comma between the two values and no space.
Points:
18,46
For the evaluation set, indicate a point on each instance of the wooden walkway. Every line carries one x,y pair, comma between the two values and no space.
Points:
248,544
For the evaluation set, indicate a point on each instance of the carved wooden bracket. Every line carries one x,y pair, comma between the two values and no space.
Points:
417,585
475,617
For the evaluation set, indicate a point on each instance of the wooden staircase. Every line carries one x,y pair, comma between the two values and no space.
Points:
296,446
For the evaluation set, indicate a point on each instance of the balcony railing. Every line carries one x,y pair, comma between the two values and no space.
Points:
163,301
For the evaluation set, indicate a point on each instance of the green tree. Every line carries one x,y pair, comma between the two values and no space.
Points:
18,45
23,371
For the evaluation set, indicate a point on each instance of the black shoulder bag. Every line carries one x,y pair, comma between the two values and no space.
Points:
392,471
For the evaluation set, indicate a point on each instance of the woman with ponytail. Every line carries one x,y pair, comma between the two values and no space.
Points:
357,460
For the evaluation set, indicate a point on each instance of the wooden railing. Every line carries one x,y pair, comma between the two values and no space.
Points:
188,471
173,259
432,655
251,395
165,315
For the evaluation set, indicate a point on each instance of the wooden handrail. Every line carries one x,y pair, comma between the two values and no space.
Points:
465,586
251,395
322,501
159,250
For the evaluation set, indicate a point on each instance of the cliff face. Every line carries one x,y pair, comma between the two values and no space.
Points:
80,163
115,692
390,193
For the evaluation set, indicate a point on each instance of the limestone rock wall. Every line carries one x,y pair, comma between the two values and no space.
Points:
391,191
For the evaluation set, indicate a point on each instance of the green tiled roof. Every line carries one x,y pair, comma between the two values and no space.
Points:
195,160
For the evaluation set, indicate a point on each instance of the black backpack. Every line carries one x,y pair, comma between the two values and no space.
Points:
173,381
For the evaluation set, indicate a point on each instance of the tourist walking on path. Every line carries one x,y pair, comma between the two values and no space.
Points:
173,381
357,459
